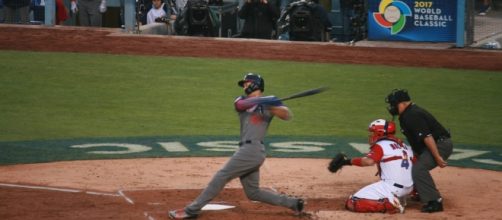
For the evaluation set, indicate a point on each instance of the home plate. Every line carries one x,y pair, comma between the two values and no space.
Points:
217,207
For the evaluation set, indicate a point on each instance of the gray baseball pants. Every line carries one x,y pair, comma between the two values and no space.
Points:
88,13
424,184
245,164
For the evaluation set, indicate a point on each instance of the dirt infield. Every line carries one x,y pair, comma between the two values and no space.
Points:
147,188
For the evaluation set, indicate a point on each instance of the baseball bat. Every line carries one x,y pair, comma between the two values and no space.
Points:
305,93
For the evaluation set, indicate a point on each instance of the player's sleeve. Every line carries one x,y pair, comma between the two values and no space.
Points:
376,153
242,103
239,104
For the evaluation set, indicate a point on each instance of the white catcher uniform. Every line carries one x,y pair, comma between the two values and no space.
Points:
394,160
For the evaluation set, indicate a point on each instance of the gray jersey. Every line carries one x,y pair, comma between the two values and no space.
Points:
254,122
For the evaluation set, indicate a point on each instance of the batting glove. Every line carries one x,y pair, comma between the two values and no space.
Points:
102,6
74,8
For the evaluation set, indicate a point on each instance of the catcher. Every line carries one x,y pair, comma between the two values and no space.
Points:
394,161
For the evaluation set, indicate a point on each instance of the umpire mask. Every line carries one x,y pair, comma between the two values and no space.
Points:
394,98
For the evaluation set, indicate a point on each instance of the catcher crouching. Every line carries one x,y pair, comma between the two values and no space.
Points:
394,160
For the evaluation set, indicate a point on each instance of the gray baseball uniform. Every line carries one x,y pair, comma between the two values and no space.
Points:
245,163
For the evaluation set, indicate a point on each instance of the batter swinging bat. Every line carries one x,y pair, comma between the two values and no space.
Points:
243,104
305,93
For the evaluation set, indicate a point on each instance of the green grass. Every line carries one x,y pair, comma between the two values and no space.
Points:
69,95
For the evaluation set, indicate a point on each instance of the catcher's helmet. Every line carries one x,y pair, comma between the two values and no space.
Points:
257,82
395,97
379,129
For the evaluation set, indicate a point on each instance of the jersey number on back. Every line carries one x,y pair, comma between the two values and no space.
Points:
405,163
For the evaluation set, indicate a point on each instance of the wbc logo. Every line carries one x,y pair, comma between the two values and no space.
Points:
392,14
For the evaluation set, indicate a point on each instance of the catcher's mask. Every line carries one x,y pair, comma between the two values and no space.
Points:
257,83
394,98
379,129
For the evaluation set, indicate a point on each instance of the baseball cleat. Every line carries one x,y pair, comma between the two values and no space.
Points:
300,205
180,214
433,206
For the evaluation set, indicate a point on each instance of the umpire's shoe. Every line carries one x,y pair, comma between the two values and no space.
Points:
180,214
433,206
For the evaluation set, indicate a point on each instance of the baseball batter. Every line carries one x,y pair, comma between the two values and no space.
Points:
394,161
255,113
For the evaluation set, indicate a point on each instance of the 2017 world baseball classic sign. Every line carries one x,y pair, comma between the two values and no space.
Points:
410,20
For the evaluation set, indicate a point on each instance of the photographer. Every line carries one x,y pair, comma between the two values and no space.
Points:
304,20
259,19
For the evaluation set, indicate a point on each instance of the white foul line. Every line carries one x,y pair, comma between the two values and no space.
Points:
41,187
121,193
101,194
57,189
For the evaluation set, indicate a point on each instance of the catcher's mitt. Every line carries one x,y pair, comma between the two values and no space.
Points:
338,162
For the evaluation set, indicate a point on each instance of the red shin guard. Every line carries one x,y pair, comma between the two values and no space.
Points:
368,205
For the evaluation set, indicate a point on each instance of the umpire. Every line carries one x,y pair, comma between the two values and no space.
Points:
429,140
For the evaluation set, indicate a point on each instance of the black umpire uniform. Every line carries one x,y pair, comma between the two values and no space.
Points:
422,129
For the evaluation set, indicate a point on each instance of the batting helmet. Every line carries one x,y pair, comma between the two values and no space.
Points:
395,97
256,80
379,129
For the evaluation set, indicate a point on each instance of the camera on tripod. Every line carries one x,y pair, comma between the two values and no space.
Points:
163,19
